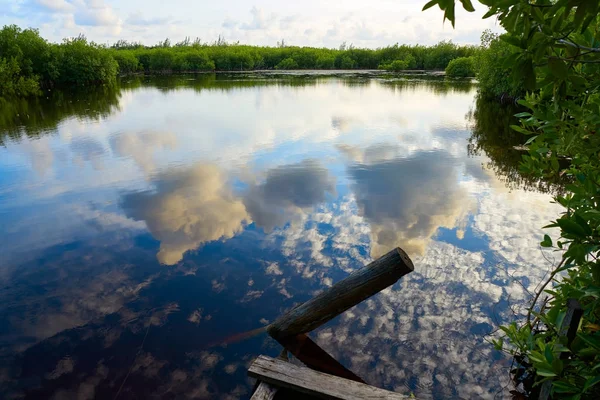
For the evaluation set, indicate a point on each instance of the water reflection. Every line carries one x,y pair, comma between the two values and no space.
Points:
493,137
407,199
286,192
34,117
257,192
187,208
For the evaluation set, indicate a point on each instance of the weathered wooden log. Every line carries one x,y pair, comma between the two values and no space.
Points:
264,391
314,357
286,375
347,293
568,328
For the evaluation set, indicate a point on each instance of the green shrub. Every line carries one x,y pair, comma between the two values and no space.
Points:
461,67
396,66
287,63
81,63
494,78
127,61
161,60
12,84
346,62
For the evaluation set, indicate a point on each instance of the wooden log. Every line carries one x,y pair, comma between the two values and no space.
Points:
314,357
568,328
264,391
347,293
305,380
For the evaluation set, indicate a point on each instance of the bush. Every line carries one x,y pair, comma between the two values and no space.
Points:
287,63
346,62
12,84
495,79
461,67
81,63
396,66
161,60
127,61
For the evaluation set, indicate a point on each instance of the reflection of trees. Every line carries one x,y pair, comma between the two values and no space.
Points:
435,84
41,115
230,81
492,135
37,116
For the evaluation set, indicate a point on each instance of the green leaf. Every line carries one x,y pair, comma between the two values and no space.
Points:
520,130
558,68
591,340
430,4
467,5
564,387
547,242
545,372
449,13
523,115
513,40
570,226
591,382
531,139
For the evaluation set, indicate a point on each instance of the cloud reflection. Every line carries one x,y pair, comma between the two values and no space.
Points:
188,207
141,146
287,191
406,200
191,206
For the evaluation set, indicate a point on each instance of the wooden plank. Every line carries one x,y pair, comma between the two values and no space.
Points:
314,357
345,294
568,328
264,392
284,374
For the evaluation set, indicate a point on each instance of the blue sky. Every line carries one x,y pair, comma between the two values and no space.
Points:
261,22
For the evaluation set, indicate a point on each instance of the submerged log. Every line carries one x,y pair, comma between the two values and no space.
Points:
347,293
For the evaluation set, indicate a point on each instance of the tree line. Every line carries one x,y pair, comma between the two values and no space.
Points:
30,63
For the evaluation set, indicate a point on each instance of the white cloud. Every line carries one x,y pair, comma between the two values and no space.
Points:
313,23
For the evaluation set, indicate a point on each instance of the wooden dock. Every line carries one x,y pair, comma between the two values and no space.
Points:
323,376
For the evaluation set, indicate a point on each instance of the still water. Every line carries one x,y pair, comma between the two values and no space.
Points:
146,227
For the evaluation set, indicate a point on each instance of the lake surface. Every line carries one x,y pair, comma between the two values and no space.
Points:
145,228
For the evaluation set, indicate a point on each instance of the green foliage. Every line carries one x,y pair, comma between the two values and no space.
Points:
461,67
77,62
222,56
12,83
81,63
555,55
396,66
127,61
287,63
30,62
493,74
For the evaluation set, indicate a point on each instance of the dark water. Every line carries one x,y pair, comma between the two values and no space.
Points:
146,226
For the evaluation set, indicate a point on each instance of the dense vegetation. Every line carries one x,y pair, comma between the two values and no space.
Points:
221,56
552,50
29,63
461,67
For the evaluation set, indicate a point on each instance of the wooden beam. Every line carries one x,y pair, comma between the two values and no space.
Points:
314,357
347,293
568,328
305,380
264,391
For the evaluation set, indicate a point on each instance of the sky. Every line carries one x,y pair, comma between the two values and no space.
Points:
259,22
